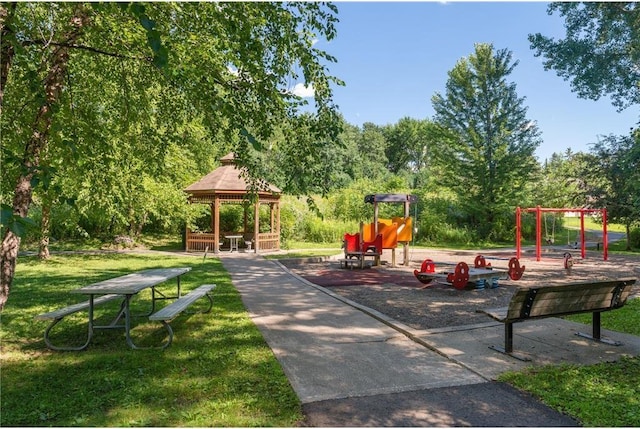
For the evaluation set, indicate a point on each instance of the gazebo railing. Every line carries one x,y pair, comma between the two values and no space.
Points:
269,241
204,241
199,241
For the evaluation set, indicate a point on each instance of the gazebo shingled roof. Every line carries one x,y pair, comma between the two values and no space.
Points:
226,178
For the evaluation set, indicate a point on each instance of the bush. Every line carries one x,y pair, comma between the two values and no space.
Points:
316,230
634,238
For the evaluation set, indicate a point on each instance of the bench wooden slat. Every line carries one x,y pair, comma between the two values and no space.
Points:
62,312
175,308
567,299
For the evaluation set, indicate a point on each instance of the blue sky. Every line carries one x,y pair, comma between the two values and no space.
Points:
394,56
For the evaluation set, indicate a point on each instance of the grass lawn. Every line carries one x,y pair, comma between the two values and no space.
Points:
602,395
218,372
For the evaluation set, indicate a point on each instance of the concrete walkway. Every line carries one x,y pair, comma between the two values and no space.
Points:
351,366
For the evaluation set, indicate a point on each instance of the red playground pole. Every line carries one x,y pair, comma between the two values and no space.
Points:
582,243
538,240
605,239
518,232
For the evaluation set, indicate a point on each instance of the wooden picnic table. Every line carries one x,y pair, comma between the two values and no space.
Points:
123,287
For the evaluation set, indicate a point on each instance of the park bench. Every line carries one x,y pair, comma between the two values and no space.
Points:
57,315
171,311
561,300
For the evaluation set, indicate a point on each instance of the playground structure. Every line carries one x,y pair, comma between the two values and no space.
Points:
539,212
481,273
381,234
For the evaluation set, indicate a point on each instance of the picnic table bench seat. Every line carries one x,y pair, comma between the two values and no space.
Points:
171,311
561,300
57,315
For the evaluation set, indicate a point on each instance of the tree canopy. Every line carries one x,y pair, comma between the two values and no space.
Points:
600,53
98,97
487,143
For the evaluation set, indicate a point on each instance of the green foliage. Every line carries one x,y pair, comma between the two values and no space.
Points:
634,238
218,371
614,178
409,145
486,142
600,51
348,203
20,226
138,120
316,230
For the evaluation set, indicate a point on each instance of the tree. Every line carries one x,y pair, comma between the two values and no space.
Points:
371,145
151,68
600,53
408,145
561,183
486,142
615,180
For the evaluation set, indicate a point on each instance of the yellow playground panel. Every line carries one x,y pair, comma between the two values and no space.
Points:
397,229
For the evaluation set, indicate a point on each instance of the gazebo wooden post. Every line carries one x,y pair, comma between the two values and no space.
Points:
277,204
271,214
256,225
244,217
216,226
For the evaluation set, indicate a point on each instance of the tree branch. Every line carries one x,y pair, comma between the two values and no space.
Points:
87,48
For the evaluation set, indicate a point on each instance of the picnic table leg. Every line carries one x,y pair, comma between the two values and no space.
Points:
155,292
127,328
50,345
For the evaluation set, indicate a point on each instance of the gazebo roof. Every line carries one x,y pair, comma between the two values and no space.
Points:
227,179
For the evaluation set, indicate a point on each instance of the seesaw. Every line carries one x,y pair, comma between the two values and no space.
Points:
462,274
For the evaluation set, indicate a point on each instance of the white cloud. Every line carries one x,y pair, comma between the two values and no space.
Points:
301,90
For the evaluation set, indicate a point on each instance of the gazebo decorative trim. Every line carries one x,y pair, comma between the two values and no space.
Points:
226,185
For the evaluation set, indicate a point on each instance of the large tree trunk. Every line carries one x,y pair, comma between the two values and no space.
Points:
6,46
53,85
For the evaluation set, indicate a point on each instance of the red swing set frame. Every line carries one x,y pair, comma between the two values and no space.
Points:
539,212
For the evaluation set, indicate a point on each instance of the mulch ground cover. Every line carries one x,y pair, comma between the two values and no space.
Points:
397,293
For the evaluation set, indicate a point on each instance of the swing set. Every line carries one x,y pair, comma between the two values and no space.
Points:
540,215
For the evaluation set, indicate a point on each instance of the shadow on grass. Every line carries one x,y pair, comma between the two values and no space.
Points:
218,371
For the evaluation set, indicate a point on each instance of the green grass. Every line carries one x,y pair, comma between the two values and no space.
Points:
590,224
626,319
302,245
218,372
606,394
304,254
602,395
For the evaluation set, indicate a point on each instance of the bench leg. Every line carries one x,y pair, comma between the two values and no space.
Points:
203,311
508,344
596,331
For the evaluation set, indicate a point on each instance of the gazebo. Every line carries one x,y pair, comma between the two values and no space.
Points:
225,185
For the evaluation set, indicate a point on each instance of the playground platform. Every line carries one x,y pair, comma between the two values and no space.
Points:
352,366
